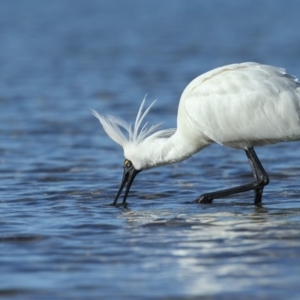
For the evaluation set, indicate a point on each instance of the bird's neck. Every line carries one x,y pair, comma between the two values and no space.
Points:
172,149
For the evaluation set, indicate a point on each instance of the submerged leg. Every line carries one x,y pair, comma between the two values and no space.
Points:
261,179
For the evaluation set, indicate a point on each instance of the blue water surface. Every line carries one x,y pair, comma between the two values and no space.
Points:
59,236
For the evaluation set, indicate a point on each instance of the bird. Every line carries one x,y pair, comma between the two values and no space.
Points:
239,106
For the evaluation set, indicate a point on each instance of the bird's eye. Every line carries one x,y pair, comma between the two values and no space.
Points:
127,163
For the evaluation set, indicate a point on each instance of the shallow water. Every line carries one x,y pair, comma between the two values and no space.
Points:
59,236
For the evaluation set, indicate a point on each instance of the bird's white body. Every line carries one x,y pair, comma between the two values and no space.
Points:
239,105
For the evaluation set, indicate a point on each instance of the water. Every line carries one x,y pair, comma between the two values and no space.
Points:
59,237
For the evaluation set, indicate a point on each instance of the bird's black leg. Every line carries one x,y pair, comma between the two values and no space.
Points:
261,179
259,174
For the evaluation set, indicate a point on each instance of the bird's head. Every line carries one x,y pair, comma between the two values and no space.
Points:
138,144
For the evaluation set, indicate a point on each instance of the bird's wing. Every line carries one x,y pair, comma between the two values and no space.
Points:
245,106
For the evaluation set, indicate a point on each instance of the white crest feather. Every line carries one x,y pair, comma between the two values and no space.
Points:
113,126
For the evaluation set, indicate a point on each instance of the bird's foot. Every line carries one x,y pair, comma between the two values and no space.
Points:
125,205
205,198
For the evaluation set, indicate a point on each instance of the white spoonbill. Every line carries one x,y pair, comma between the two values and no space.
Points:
239,106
